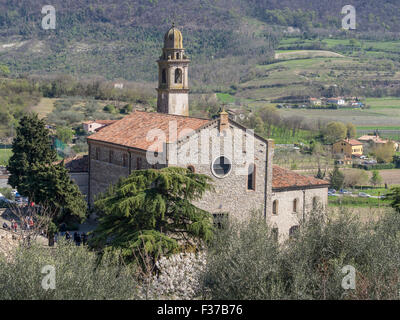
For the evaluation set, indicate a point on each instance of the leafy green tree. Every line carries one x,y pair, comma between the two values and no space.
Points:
336,178
384,153
109,108
52,185
334,131
34,173
376,178
351,130
4,70
394,197
65,134
269,116
31,146
320,174
152,209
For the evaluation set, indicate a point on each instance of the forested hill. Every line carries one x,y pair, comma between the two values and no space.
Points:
122,38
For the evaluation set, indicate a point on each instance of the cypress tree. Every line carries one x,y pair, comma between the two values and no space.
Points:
35,174
336,178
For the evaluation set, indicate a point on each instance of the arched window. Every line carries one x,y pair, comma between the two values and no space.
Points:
251,177
164,76
315,202
178,75
275,207
295,205
191,169
293,231
275,233
221,167
178,56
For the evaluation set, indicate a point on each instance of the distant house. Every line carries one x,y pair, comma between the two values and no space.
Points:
373,140
118,85
357,104
315,101
95,125
349,148
336,101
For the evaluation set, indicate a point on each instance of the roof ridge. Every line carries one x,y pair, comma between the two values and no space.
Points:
169,114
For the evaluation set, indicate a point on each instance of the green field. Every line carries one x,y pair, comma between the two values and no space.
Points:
5,154
44,107
357,202
225,97
383,103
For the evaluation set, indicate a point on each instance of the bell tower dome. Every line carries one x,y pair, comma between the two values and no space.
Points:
173,82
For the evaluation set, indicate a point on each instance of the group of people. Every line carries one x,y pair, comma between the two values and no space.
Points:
77,237
27,224
13,227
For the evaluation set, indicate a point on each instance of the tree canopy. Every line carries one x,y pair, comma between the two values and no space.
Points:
34,172
336,178
153,209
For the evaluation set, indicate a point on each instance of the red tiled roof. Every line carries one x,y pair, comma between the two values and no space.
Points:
132,130
354,142
286,179
100,121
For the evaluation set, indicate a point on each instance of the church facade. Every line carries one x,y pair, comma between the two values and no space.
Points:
239,162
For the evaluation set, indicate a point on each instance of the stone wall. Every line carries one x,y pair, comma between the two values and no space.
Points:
231,194
81,180
286,217
102,172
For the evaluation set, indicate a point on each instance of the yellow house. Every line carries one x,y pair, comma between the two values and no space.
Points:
348,147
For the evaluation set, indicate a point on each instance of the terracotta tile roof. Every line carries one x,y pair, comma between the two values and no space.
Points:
132,130
100,121
375,139
352,142
287,179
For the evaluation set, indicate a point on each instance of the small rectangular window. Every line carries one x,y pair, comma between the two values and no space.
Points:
138,163
97,153
125,160
251,177
110,156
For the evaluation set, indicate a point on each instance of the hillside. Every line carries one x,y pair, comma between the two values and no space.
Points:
122,39
249,52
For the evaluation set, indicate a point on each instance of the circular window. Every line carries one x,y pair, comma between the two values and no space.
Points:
221,167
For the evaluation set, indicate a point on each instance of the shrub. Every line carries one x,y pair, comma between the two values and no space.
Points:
109,108
79,275
244,262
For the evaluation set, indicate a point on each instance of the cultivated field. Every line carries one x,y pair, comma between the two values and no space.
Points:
45,106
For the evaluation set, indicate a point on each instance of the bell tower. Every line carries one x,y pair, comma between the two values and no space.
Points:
173,82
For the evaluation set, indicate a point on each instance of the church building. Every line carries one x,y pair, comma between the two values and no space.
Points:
239,162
